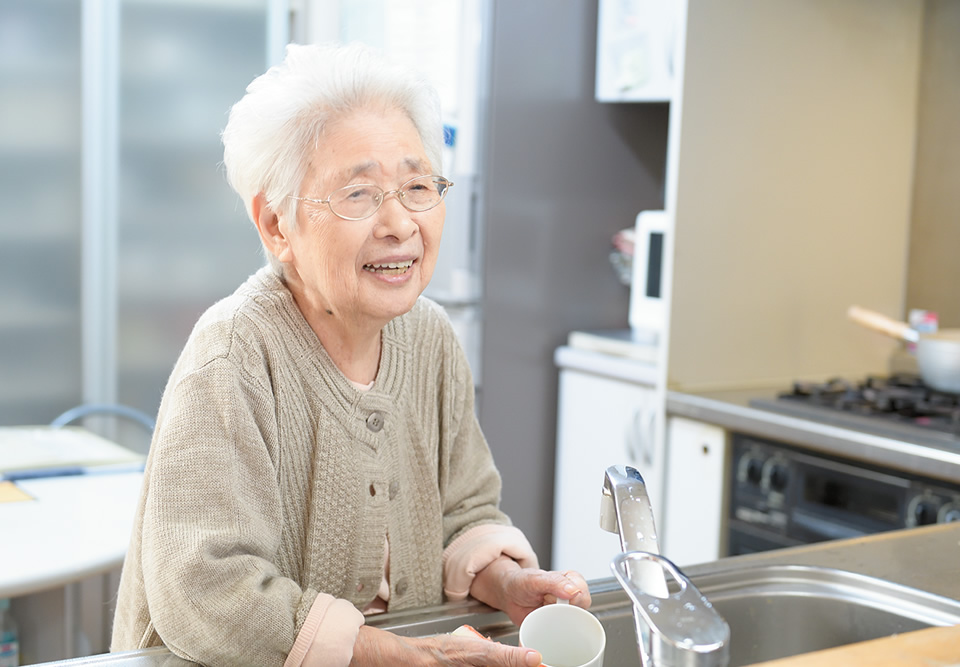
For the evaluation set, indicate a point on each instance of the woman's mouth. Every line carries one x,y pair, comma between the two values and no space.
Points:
389,268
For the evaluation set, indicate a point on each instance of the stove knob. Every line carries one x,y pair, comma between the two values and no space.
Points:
754,469
949,513
924,513
778,477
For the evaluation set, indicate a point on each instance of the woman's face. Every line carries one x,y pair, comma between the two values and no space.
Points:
341,268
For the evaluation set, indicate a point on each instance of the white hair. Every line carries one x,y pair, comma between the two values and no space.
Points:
274,130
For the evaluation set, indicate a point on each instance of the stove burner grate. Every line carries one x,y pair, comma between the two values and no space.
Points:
902,397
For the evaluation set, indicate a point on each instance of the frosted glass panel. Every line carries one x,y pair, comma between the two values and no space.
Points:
184,238
40,227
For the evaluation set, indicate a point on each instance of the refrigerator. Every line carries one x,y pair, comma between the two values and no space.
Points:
448,41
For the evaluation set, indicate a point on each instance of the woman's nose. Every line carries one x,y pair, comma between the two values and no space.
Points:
393,218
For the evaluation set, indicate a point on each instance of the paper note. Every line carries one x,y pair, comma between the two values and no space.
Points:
11,493
28,447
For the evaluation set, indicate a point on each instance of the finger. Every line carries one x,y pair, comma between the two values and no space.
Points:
464,650
569,586
511,656
538,587
580,597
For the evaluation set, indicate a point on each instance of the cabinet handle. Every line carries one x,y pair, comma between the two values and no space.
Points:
648,432
634,437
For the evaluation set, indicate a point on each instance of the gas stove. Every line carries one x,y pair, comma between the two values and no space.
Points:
899,406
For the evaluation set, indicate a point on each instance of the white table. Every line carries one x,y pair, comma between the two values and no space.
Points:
75,527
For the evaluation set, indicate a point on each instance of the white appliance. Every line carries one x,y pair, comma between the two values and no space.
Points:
647,316
446,41
647,307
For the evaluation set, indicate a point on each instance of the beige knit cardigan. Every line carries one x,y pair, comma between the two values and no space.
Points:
271,478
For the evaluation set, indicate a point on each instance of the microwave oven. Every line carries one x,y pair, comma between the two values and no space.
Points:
647,308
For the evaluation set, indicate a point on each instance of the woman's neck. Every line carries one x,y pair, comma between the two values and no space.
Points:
354,346
357,357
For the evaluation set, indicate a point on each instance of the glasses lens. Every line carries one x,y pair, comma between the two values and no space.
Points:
355,202
424,192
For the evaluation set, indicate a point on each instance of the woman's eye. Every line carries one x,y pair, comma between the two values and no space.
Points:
359,193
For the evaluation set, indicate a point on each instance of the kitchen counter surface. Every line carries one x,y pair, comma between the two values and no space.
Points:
924,558
732,410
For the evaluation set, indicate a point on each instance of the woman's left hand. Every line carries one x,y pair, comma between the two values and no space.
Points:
517,591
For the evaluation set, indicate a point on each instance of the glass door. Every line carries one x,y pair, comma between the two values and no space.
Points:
40,186
184,238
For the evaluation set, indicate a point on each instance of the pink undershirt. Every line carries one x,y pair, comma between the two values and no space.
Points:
328,634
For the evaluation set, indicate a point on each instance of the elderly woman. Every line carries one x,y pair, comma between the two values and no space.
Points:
317,456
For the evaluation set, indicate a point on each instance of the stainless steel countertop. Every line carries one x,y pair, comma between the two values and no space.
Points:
731,410
924,558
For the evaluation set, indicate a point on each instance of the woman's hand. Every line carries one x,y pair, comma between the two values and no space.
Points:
517,591
379,647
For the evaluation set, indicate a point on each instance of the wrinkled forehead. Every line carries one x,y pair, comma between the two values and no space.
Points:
369,143
410,165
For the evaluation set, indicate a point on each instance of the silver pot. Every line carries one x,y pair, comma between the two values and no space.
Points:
938,353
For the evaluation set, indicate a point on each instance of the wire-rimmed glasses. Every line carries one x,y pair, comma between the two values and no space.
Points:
358,202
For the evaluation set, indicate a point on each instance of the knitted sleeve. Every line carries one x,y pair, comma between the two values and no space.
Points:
477,548
212,522
469,480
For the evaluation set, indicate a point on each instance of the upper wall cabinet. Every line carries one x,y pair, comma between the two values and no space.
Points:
789,178
636,50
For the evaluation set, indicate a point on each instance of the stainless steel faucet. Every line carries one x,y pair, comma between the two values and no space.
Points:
680,629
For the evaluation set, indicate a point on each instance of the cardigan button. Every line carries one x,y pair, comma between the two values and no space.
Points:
375,422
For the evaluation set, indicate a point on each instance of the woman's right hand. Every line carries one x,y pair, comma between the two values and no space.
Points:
379,647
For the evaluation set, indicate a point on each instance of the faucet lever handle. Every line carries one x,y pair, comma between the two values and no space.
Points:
684,628
608,512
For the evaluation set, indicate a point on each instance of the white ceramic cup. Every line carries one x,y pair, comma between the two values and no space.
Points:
565,636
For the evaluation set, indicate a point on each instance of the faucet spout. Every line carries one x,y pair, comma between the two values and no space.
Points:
625,509
673,630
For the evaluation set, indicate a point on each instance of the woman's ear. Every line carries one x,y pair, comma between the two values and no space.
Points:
271,232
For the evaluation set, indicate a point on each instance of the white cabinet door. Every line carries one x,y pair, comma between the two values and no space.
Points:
602,422
693,527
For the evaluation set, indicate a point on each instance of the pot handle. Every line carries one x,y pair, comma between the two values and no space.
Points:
879,322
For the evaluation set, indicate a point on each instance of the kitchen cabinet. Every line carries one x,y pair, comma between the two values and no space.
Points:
635,50
789,179
695,491
603,419
789,183
790,153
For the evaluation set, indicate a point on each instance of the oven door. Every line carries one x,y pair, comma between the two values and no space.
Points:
835,500
745,539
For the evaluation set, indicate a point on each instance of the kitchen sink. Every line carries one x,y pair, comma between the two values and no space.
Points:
774,611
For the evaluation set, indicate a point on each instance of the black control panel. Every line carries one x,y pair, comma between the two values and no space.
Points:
782,495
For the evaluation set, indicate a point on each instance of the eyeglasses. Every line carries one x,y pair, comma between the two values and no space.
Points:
357,202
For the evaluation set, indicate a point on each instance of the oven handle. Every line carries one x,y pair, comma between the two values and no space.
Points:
827,529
